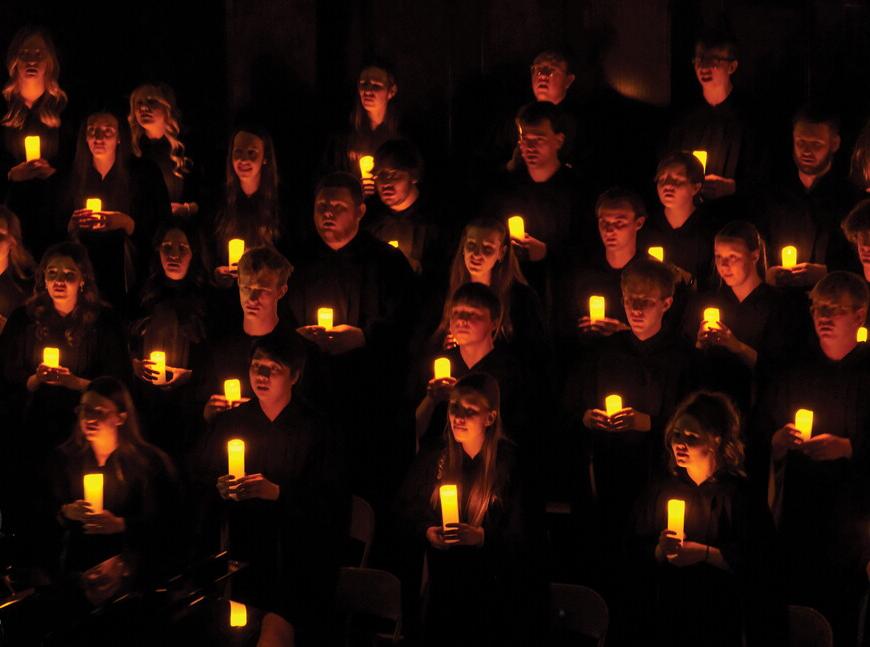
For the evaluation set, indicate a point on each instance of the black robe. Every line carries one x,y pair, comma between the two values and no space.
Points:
690,247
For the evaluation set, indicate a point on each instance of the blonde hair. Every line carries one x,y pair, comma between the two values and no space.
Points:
55,98
166,97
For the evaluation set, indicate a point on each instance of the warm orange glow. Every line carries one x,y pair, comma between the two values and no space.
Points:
803,421
613,404
442,368
159,359
94,204
366,164
449,505
238,614
236,249
657,253
789,256
325,318
677,517
51,357
394,243
236,458
517,227
711,317
596,308
702,157
94,491
233,390
31,148
861,336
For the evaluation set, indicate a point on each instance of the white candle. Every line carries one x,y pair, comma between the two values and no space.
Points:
442,368
325,318
517,227
159,366
235,251
677,517
94,491
803,421
232,390
596,308
613,404
449,505
236,458
31,148
51,357
702,157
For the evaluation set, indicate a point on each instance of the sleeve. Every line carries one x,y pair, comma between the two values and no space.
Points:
113,357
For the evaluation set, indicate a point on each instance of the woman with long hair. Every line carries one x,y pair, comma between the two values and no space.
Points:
16,266
155,134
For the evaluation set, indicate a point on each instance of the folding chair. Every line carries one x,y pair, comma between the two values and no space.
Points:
362,526
578,610
808,628
371,592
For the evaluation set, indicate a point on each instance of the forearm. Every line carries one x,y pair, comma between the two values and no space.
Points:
746,353
714,558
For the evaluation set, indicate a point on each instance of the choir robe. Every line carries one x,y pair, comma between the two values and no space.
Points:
158,152
344,149
13,292
690,247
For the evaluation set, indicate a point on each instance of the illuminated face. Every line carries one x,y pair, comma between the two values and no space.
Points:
102,136
618,226
270,379
99,418
175,254
375,89
248,155
691,444
336,216
862,243
259,294
483,249
151,113
813,147
836,322
63,279
470,324
5,239
33,59
469,417
674,188
539,144
734,262
394,186
644,309
550,80
714,66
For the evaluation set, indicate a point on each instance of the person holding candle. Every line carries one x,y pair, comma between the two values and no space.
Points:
16,266
155,128
288,514
719,582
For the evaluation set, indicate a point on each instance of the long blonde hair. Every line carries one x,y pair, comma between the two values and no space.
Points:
164,94
55,98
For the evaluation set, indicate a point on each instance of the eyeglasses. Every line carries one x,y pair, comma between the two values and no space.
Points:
67,276
545,70
88,412
711,61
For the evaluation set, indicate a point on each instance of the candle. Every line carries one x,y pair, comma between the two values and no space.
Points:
159,359
236,247
702,157
711,317
236,458
862,334
449,505
232,390
803,420
94,204
657,253
325,318
613,404
789,256
394,243
238,614
94,491
31,148
677,517
517,227
366,164
51,357
596,308
442,368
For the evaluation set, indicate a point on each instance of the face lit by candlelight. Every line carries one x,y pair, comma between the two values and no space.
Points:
644,309
714,66
734,262
99,418
862,242
469,417
814,146
270,379
336,216
836,322
375,89
33,59
259,294
618,225
248,155
550,79
151,114
483,249
691,444
539,144
470,324
102,136
63,281
396,188
175,254
674,189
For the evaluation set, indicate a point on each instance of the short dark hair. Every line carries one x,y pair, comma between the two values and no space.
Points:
693,166
617,194
341,180
718,38
283,346
400,154
816,112
537,112
264,257
646,273
857,221
478,295
556,56
836,285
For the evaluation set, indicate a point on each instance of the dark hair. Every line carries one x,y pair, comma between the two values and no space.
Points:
617,194
837,285
341,180
358,117
535,113
859,167
84,161
478,295
857,221
285,347
265,258
817,112
693,166
20,260
400,154
555,56
718,38
718,417
746,233
648,272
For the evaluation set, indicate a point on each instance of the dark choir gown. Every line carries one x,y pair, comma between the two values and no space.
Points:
158,151
244,225
13,292
690,247
344,149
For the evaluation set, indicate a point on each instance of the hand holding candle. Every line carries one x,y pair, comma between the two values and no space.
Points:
93,485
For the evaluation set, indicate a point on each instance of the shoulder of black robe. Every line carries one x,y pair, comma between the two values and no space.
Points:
413,505
149,200
12,347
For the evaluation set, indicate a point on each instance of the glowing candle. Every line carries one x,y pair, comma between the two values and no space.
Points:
238,614
51,357
31,148
366,164
803,420
711,317
449,505
517,227
657,253
702,157
159,359
236,458
613,404
596,308
862,334
233,390
94,204
236,248
394,243
442,368
94,491
677,517
325,318
789,256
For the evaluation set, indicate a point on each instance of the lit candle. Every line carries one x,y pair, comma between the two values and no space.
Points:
657,253
238,614
677,517
232,390
366,164
236,458
325,318
159,359
517,227
613,404
702,157
803,420
94,491
789,256
596,308
442,368
394,243
236,248
711,317
862,334
94,204
51,357
449,505
31,148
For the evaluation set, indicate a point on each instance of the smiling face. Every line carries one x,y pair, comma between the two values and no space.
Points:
248,156
674,189
618,226
271,380
102,136
175,254
469,417
99,419
813,147
734,262
691,444
375,89
483,249
63,281
470,324
33,59
336,216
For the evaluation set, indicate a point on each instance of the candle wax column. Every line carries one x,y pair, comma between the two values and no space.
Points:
657,253
517,227
236,458
789,256
861,335
702,157
51,357
366,165
803,421
449,505
442,368
93,484
235,251
159,359
238,614
94,204
232,390
325,318
612,404
677,517
32,148
711,317
596,308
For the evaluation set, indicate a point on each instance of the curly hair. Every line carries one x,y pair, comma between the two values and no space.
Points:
55,98
166,97
20,260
